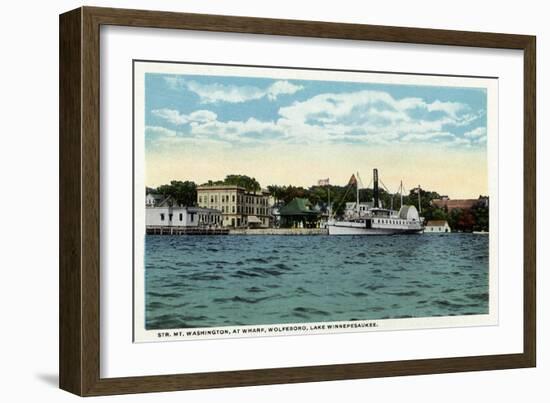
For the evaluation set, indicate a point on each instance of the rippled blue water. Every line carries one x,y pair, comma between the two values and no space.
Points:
204,281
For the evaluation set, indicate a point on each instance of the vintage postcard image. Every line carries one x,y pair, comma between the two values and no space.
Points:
285,201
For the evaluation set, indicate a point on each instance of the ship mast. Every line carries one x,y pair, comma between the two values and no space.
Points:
419,201
357,193
328,207
401,193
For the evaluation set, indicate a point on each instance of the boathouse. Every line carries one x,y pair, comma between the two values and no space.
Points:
168,214
437,226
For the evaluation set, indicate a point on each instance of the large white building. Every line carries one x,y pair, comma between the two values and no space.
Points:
239,207
167,214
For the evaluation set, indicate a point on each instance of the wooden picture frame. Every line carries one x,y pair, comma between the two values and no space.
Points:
79,348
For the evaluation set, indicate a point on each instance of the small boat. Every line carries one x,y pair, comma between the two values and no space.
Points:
374,220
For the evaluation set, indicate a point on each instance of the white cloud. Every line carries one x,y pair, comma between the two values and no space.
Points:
432,136
371,106
282,88
482,140
476,133
161,137
373,117
159,131
461,142
175,117
211,93
202,116
248,131
173,82
204,124
368,117
450,108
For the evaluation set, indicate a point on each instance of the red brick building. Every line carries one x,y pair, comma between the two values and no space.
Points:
463,204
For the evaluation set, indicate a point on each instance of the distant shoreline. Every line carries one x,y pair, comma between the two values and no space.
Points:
261,231
279,231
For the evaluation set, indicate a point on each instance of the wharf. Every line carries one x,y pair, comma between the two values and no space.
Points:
179,230
278,231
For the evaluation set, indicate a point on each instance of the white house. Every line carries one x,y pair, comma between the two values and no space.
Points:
182,217
437,226
168,214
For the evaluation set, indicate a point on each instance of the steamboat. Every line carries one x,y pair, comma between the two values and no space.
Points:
372,219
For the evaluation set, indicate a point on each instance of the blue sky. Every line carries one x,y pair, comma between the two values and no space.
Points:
240,110
283,131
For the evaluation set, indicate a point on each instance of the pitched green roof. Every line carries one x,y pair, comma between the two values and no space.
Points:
298,206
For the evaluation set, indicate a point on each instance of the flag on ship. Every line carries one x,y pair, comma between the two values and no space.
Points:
352,180
323,182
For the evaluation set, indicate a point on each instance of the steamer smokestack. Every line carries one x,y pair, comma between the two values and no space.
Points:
376,195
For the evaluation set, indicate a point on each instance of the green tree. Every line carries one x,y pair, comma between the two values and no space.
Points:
454,217
250,184
466,221
480,212
276,191
426,197
184,193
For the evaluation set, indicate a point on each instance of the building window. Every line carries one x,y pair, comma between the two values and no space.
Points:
233,209
170,216
233,198
181,217
161,216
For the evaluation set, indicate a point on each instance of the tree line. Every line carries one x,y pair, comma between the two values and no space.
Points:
473,219
185,192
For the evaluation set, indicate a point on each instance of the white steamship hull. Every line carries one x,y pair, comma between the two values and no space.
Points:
351,228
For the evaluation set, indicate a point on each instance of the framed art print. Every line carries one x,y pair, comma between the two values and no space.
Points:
251,201
206,137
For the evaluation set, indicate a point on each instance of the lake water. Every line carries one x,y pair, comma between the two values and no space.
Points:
206,281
